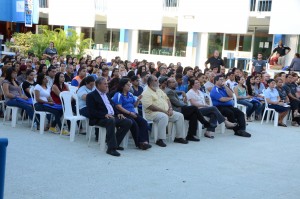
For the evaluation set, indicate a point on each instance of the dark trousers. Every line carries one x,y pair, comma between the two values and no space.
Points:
234,115
191,113
295,104
114,139
139,130
57,113
214,115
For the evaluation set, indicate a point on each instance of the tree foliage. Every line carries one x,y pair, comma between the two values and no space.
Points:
66,43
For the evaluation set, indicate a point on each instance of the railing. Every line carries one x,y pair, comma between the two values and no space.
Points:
171,6
101,6
260,5
43,4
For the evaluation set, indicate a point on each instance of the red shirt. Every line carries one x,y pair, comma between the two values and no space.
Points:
55,97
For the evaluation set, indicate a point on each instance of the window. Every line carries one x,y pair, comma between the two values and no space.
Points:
165,42
215,42
180,44
245,43
143,42
230,42
107,38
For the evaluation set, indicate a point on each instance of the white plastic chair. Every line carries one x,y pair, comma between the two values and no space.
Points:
270,112
154,130
10,109
66,102
242,107
73,89
102,136
42,114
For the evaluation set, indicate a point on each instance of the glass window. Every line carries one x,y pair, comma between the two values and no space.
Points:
215,42
108,38
162,41
230,42
262,44
245,43
143,42
180,44
115,39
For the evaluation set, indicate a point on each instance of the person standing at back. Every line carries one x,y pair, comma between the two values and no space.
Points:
258,65
215,60
283,51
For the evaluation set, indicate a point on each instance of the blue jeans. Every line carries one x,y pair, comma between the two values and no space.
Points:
57,113
251,106
28,108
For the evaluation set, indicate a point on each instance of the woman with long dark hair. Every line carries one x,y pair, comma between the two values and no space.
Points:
126,103
243,98
45,103
13,94
58,87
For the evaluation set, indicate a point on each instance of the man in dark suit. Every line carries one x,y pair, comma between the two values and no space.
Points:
102,113
190,113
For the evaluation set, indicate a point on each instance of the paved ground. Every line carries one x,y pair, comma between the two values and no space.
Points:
50,167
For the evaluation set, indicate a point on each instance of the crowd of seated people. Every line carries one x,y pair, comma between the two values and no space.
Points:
115,95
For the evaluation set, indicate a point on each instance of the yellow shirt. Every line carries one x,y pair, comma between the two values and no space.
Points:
158,99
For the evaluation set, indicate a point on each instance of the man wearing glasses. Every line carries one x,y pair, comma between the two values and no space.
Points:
222,98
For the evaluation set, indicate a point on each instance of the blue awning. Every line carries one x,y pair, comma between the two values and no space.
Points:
13,11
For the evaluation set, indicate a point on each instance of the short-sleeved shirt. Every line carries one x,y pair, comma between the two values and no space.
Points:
83,90
216,94
26,85
259,90
290,88
199,97
208,84
231,84
15,90
282,93
259,65
44,93
281,50
182,87
271,94
215,62
157,98
50,51
127,102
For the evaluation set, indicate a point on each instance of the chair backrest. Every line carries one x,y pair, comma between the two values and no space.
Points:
66,102
234,100
32,95
75,97
73,89
3,92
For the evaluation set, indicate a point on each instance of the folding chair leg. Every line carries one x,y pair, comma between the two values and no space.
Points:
72,130
14,117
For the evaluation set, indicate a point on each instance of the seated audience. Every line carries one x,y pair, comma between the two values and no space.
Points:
125,103
102,113
222,98
159,109
274,102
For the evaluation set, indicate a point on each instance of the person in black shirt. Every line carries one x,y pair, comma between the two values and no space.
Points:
28,83
69,75
215,61
282,50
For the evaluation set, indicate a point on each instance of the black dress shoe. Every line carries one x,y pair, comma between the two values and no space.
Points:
242,133
281,124
160,143
180,140
192,138
144,146
119,148
113,152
